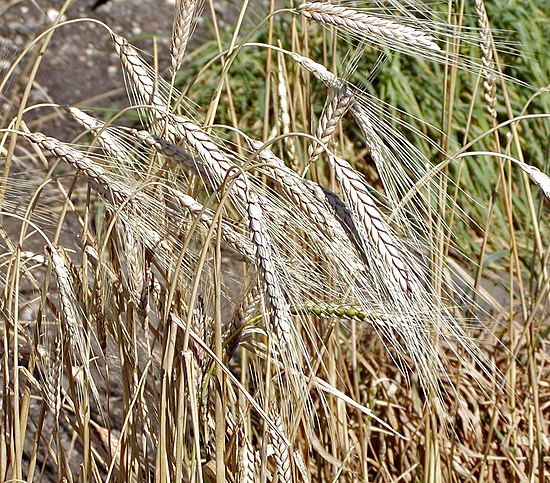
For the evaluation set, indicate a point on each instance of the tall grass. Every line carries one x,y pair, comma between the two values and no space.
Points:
314,249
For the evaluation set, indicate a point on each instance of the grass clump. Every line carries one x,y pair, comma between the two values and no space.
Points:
294,285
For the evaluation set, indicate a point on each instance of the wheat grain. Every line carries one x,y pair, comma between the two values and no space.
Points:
367,26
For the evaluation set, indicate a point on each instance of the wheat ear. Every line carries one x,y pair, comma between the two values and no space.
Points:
367,26
369,215
181,31
357,194
330,119
487,60
308,196
138,72
96,175
280,311
233,331
217,165
108,142
281,451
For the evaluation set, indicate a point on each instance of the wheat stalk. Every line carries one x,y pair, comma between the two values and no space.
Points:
367,26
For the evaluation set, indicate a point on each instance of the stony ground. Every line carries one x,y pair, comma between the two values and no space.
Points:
80,65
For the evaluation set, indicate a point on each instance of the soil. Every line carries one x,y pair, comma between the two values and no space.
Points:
80,65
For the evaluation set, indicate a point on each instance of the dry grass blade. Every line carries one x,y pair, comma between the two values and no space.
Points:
365,25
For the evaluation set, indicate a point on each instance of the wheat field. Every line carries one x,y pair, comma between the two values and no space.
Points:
309,244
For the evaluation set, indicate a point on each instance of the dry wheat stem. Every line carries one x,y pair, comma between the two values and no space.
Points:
367,26
181,31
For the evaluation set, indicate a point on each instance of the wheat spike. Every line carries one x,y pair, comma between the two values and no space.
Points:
216,164
281,451
386,31
181,31
330,119
487,60
108,142
96,175
308,196
139,72
280,311
369,215
233,331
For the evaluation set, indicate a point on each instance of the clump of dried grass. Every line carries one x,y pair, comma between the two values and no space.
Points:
259,314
